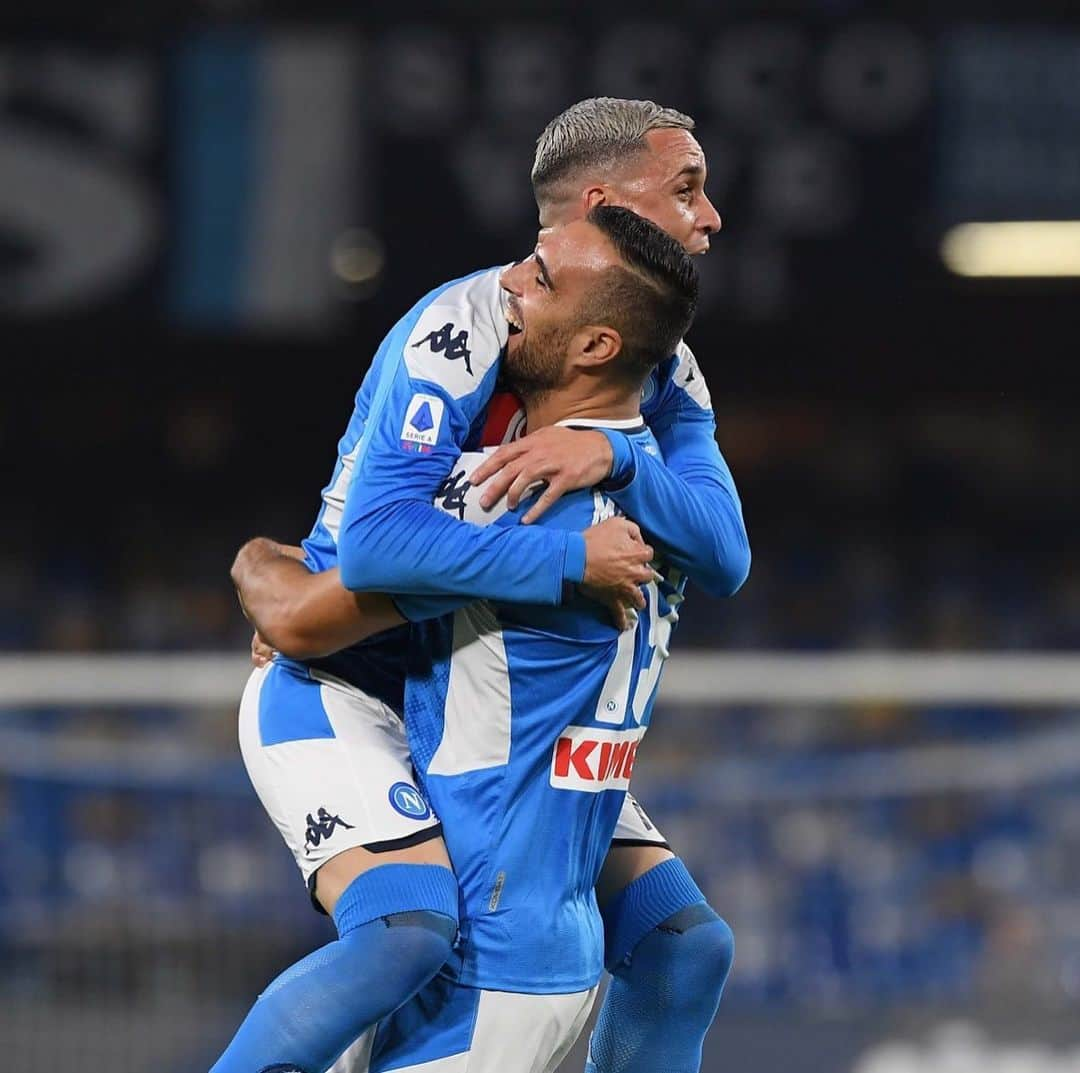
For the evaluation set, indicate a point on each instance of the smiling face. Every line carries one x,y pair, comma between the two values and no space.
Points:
665,183
545,295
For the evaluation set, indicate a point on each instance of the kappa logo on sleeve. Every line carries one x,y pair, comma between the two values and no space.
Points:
423,423
452,347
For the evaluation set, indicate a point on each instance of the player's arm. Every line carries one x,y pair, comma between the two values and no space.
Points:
392,538
302,614
687,504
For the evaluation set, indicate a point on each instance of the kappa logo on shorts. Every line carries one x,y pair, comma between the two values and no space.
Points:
323,827
594,760
409,801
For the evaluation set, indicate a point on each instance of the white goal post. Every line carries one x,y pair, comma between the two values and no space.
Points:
30,680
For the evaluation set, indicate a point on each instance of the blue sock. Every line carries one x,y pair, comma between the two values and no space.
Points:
396,926
669,955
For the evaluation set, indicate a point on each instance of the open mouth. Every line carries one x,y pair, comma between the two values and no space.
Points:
514,318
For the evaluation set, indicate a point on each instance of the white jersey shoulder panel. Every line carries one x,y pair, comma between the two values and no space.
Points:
688,376
459,337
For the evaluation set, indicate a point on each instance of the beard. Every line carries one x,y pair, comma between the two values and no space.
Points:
536,366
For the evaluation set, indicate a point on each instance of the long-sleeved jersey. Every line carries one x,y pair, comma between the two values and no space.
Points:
424,400
523,722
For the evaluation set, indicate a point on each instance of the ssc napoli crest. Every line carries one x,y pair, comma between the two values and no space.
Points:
407,799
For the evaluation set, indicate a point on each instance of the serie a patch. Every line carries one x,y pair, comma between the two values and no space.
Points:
423,422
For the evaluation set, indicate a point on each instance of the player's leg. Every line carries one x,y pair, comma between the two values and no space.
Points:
668,953
448,1028
331,768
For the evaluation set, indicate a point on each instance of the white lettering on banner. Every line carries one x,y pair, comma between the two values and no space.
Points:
594,760
80,206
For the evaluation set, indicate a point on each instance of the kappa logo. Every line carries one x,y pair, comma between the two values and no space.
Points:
594,760
323,827
452,493
454,347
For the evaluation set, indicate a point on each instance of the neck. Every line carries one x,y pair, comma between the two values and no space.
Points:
583,400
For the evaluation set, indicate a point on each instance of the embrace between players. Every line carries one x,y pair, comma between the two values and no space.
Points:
468,646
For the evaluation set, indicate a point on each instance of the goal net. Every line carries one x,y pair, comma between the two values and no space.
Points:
881,830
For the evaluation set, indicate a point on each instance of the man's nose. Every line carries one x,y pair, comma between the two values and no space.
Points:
510,279
710,218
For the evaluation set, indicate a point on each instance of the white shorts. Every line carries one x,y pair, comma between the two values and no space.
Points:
447,1028
634,828
331,766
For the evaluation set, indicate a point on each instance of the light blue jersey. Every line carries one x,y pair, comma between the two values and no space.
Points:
524,723
422,402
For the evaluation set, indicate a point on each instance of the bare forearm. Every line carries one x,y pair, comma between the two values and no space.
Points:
304,615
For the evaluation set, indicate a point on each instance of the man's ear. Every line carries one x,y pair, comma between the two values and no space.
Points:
595,345
592,196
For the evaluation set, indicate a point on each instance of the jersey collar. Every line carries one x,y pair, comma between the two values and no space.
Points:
624,424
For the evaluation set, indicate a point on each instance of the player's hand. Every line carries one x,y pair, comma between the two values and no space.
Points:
261,652
622,616
564,459
617,565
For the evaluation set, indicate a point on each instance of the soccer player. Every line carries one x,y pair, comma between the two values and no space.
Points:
600,151
524,719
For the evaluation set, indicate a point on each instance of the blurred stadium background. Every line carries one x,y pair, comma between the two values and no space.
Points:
209,215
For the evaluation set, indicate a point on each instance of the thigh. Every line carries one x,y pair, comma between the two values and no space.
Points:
451,1029
331,767
636,847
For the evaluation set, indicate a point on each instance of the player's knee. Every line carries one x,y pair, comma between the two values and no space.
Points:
409,914
714,944
423,941
706,951
693,951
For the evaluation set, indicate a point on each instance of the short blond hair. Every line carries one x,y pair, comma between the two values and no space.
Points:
597,133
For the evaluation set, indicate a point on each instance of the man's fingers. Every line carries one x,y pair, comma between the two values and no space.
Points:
261,652
525,480
497,487
495,462
547,497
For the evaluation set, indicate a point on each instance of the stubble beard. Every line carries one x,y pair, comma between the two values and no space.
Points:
536,368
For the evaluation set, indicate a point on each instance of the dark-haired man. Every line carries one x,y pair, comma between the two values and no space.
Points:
530,779
647,157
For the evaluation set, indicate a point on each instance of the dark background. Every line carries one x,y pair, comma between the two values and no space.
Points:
209,217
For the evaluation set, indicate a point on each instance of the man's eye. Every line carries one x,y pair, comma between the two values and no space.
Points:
686,193
540,280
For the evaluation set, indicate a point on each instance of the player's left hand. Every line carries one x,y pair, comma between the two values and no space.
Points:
262,653
564,459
